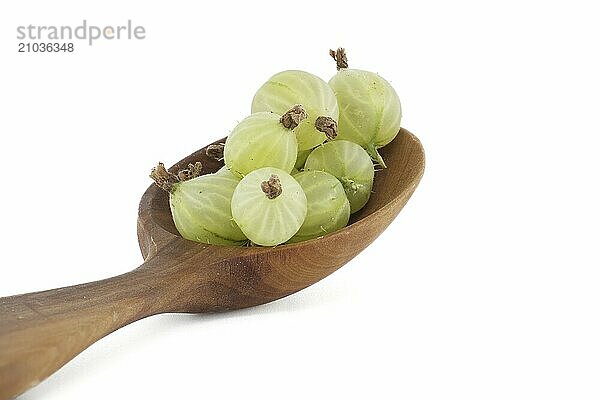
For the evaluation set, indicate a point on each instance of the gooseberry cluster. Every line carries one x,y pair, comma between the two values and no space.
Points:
296,168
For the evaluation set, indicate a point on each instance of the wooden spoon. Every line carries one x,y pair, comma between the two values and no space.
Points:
40,332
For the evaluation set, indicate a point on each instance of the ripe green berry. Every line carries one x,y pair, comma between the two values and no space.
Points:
350,164
287,88
264,139
328,208
269,206
370,110
201,205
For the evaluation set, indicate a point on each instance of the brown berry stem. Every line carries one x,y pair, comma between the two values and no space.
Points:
340,58
328,126
215,151
191,172
166,180
292,118
163,178
272,187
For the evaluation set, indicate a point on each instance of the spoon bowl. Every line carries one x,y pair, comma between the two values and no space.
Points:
248,276
40,332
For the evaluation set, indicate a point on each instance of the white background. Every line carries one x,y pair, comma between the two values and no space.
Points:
485,287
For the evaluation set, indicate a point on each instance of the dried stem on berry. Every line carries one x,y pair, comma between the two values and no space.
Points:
163,178
215,151
191,172
272,187
166,180
328,126
293,117
340,57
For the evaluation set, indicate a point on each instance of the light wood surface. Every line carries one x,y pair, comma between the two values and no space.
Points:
40,332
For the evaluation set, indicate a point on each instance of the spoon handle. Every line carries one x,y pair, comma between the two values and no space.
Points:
42,331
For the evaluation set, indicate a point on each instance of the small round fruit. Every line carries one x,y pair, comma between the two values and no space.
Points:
264,139
348,162
201,206
370,110
269,206
287,88
328,208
